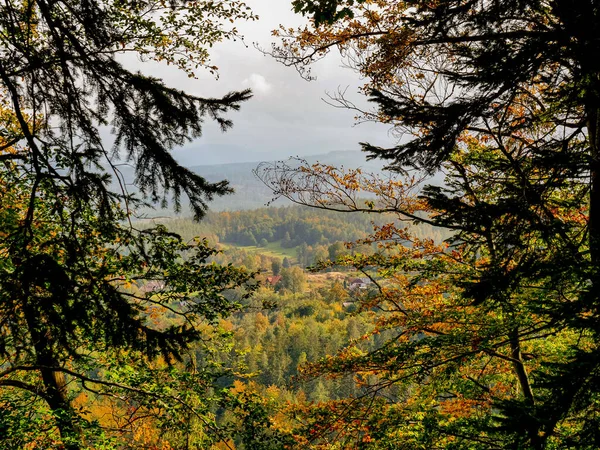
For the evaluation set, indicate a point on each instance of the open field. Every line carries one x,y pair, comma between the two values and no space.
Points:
273,249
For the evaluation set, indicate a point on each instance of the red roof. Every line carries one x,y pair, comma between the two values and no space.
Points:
273,280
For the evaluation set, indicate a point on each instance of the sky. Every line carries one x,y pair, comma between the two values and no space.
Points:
287,115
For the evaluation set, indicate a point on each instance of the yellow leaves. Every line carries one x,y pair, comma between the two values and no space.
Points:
225,445
273,392
261,322
226,325
81,400
144,433
238,387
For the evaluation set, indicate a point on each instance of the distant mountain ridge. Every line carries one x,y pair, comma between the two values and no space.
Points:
251,193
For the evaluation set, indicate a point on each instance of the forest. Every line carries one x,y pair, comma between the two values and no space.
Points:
302,235
375,310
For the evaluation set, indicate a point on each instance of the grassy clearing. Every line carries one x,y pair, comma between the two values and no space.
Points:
273,249
324,279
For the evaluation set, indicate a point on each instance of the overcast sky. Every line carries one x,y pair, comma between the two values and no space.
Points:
287,115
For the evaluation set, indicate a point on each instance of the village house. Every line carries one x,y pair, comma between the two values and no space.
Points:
358,283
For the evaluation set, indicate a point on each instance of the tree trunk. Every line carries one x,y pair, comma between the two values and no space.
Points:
524,384
54,381
522,377
594,218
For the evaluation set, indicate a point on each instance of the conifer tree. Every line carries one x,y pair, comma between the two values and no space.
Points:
84,295
505,97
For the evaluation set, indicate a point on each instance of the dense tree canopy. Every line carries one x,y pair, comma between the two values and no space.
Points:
504,98
59,65
89,305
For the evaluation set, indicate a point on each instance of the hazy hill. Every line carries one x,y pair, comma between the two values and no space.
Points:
251,193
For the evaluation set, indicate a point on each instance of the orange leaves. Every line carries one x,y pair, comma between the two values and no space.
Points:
372,25
460,407
342,189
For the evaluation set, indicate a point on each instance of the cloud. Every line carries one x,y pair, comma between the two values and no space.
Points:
287,115
257,83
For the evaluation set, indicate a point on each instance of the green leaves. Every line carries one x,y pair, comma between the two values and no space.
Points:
502,97
326,12
80,288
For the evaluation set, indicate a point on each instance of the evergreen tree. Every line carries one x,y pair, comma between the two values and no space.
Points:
276,266
72,264
293,279
286,242
505,97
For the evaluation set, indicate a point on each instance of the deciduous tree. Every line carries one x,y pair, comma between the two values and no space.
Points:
455,356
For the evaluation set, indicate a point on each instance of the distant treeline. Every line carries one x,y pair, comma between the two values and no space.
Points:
292,226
